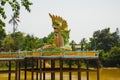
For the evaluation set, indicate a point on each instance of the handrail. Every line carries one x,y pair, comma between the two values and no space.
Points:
41,53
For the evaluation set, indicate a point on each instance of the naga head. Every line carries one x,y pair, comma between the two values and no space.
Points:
58,23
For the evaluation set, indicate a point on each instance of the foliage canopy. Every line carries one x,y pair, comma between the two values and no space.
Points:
15,7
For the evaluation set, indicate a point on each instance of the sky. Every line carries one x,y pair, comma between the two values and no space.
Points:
83,17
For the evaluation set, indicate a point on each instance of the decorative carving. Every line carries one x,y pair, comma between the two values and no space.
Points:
61,37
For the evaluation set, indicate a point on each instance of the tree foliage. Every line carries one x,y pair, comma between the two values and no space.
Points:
105,39
8,43
15,7
2,36
114,57
73,43
83,44
109,45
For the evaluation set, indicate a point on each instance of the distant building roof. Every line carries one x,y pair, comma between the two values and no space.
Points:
77,46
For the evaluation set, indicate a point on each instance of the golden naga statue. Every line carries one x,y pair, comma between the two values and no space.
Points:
61,37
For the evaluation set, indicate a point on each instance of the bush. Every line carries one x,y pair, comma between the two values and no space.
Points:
114,57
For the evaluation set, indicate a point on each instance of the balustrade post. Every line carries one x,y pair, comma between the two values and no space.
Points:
19,65
61,71
25,73
52,67
79,70
70,73
37,70
9,73
87,70
16,70
44,69
98,78
40,69
32,73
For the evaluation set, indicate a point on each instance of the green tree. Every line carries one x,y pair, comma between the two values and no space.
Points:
50,38
104,39
111,58
41,43
83,44
8,43
91,44
14,21
19,40
35,42
27,43
44,39
31,43
108,44
15,6
2,36
73,43
116,36
114,57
